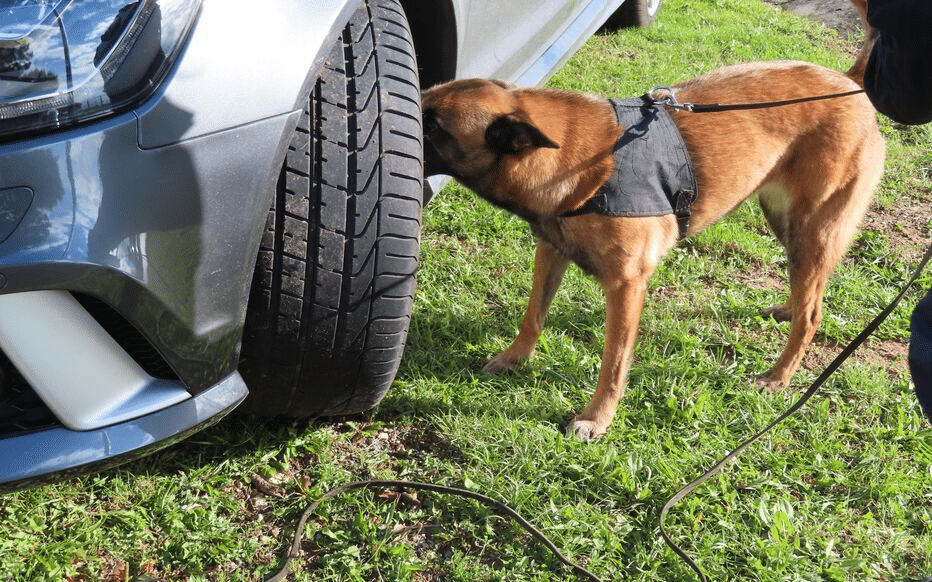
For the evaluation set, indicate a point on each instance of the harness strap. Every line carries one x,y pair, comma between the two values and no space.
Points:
682,208
652,174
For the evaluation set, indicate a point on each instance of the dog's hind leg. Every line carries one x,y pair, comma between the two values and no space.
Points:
807,285
773,202
549,267
815,242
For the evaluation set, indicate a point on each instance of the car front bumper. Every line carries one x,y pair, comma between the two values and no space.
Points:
127,248
125,277
34,458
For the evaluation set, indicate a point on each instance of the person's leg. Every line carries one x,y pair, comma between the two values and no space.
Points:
920,352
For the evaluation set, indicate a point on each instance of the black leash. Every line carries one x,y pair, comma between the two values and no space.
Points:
664,95
379,484
829,370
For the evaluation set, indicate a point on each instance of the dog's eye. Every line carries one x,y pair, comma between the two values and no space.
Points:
432,129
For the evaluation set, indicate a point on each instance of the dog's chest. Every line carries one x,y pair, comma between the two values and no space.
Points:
550,230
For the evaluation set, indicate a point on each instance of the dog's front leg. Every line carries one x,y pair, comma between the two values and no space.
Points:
623,307
549,267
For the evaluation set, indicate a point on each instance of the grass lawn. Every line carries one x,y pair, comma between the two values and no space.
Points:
842,491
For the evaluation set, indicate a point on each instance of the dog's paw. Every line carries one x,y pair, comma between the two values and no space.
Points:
770,384
501,364
778,313
584,430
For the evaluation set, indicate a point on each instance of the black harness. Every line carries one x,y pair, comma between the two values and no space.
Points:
653,173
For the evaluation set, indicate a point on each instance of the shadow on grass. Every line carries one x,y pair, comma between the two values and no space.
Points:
447,350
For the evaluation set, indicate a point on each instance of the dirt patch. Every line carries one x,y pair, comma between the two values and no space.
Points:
837,14
889,355
906,227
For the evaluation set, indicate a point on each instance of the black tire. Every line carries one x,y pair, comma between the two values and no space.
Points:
639,13
333,288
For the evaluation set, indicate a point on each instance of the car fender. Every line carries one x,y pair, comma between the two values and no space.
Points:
285,48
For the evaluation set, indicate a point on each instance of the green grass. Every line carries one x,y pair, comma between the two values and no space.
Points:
842,491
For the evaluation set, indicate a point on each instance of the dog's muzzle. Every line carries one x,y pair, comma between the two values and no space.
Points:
433,163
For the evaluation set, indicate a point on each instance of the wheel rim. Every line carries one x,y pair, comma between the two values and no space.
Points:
652,7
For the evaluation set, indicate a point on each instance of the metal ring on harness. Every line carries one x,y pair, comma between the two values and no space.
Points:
669,99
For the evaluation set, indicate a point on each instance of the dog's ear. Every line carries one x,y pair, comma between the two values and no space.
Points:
509,134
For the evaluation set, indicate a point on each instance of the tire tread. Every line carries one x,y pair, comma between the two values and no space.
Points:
334,281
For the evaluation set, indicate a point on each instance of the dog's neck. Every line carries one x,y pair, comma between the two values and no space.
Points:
549,182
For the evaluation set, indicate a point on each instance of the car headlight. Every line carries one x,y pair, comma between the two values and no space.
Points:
64,62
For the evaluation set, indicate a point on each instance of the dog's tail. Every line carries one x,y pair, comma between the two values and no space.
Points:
856,72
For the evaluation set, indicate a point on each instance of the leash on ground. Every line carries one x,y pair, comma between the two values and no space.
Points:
829,370
295,549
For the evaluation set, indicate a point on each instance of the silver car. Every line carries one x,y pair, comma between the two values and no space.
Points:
197,196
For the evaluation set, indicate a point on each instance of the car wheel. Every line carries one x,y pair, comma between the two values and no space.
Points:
641,13
333,287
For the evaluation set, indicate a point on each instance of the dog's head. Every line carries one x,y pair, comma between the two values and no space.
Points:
471,124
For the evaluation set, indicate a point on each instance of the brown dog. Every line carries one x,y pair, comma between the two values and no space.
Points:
543,154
